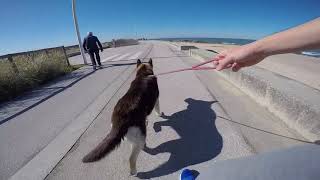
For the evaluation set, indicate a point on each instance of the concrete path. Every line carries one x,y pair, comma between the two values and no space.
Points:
32,121
30,99
206,120
123,53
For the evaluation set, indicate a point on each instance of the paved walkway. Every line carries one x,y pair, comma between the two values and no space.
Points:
204,123
196,131
32,121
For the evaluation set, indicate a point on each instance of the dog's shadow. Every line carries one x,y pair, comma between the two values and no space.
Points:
200,140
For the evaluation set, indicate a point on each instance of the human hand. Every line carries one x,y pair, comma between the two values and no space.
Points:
239,57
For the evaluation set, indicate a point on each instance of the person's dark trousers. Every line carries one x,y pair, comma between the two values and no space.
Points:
93,56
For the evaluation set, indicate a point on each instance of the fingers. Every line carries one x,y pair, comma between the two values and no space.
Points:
224,63
223,53
215,62
236,67
217,58
228,66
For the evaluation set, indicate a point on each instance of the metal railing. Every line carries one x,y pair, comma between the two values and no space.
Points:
17,59
21,71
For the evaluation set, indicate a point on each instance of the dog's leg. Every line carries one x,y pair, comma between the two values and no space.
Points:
138,140
157,108
136,148
133,159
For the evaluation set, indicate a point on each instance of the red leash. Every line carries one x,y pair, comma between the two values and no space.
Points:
195,67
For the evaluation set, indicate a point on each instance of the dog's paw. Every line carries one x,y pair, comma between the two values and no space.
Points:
133,172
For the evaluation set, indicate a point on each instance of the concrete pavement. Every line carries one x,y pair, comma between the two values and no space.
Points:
262,130
115,54
32,123
292,101
203,125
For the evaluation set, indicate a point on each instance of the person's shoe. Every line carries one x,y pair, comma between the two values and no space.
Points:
100,66
94,67
186,174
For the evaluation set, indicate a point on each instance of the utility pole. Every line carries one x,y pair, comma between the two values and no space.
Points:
75,20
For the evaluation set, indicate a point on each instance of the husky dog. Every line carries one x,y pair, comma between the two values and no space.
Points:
129,117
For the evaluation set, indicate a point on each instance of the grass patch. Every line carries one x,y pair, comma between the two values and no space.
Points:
32,70
75,67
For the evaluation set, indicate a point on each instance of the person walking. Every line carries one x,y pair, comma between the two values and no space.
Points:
90,44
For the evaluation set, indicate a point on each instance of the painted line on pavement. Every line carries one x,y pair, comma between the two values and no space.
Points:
111,57
46,160
121,57
136,55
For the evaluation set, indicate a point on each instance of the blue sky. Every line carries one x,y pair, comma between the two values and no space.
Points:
34,24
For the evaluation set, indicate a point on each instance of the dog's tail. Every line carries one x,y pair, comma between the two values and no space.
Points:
108,144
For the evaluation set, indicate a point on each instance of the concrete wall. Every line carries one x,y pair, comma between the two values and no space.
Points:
296,104
187,47
125,42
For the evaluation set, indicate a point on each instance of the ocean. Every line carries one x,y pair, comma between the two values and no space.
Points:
313,53
212,40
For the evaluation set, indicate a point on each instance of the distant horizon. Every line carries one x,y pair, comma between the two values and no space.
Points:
67,45
202,38
315,53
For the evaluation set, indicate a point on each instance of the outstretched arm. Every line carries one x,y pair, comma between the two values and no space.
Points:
100,45
84,44
303,37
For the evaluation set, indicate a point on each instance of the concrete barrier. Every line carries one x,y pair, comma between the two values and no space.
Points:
74,50
187,47
295,103
125,42
182,47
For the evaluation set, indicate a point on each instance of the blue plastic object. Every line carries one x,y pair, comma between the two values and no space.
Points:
186,174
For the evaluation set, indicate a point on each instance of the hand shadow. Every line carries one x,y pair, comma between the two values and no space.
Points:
200,140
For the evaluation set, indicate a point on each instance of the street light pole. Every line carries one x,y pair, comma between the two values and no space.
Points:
75,20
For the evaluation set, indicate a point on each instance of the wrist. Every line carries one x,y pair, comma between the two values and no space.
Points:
259,48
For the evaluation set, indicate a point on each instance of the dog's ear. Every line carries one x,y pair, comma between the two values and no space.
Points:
150,62
138,62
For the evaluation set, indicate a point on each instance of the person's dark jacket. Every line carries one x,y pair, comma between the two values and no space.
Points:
91,43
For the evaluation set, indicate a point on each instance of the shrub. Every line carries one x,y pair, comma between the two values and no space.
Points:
34,69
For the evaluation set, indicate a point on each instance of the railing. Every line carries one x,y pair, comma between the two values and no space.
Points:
25,70
32,56
74,50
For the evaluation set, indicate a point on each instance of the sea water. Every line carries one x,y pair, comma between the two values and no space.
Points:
232,41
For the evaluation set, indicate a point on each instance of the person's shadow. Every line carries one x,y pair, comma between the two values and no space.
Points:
200,140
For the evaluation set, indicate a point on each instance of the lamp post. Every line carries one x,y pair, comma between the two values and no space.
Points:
75,20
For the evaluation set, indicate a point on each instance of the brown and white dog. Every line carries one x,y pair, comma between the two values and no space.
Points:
129,117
